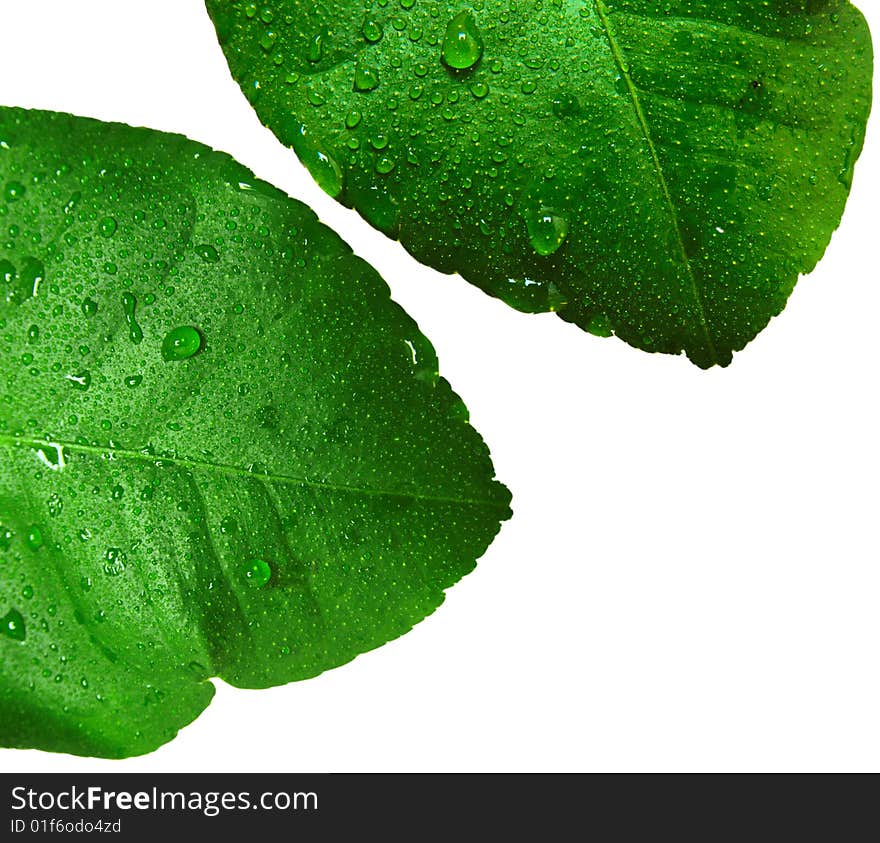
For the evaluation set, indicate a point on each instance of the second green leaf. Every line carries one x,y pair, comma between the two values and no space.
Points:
659,171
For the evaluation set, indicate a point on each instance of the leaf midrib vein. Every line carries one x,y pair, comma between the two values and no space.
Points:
602,12
237,471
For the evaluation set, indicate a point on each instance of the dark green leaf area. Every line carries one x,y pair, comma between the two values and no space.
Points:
663,171
224,451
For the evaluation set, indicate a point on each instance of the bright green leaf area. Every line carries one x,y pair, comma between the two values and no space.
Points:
663,171
224,451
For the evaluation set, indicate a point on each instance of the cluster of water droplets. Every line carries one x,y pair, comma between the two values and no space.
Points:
447,73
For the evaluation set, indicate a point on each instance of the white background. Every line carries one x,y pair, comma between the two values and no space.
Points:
691,577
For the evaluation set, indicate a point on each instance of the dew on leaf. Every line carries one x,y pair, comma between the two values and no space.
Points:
34,538
31,276
81,380
322,166
547,231
115,562
129,304
13,190
565,105
55,505
371,30
600,326
107,226
89,307
315,49
12,625
462,45
208,253
365,78
181,343
256,573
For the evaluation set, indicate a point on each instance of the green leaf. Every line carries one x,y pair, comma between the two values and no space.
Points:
662,171
224,451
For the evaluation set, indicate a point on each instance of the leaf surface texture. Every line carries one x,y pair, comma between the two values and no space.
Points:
660,171
224,451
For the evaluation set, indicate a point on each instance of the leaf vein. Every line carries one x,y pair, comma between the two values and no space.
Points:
602,12
238,471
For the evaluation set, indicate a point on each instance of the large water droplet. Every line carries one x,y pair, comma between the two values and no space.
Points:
208,253
566,105
32,274
81,380
315,49
256,573
547,231
323,167
181,343
115,562
371,30
14,190
462,44
12,625
365,78
34,538
107,227
129,303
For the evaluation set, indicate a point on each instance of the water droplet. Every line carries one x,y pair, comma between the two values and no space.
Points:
352,119
107,227
181,343
34,538
81,380
14,190
208,253
89,307
55,504
228,525
365,78
6,536
384,165
32,274
256,573
566,105
129,303
115,563
600,326
316,48
547,231
462,44
479,90
27,592
372,31
322,166
134,380
12,625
